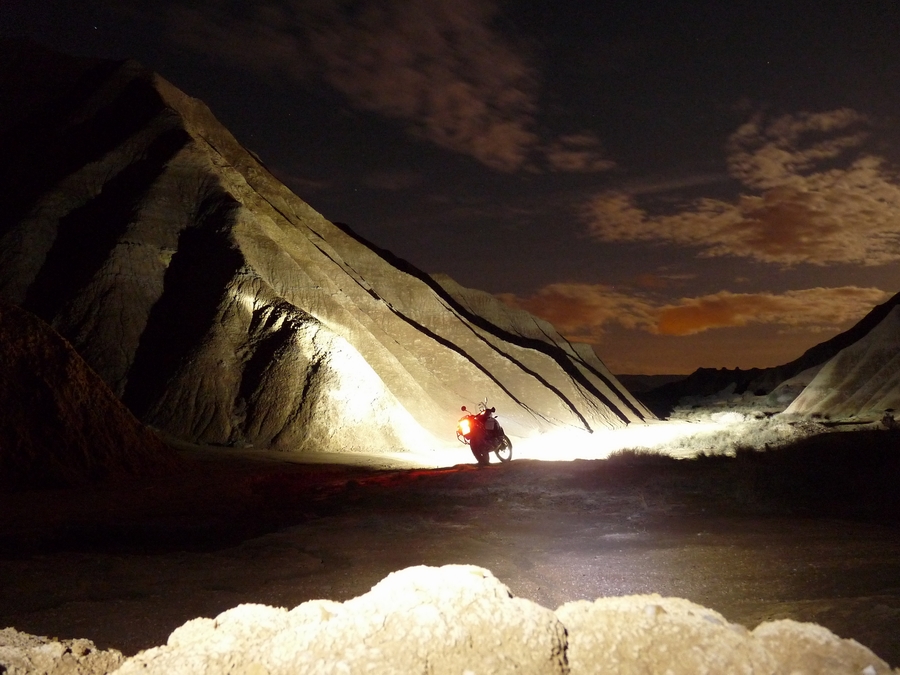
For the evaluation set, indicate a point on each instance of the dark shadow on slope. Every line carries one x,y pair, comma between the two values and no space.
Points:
45,149
87,235
269,343
193,287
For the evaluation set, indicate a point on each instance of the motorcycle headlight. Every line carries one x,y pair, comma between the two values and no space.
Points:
464,426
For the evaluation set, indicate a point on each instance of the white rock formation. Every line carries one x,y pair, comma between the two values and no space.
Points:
861,380
224,310
461,619
454,619
23,654
786,392
647,634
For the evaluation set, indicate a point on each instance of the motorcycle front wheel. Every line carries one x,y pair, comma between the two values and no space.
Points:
504,449
482,453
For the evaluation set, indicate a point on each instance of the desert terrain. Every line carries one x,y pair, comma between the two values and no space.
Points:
214,395
807,531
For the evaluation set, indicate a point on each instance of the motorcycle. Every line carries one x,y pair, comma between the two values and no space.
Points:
484,435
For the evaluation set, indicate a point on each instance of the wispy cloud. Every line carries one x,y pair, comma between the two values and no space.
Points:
583,311
812,308
656,185
775,154
658,282
262,38
578,153
811,196
442,68
439,67
577,310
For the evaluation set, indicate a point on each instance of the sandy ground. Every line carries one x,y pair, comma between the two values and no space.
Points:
125,563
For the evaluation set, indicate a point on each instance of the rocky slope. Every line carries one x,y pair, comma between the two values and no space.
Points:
23,654
61,424
862,380
708,382
222,309
460,618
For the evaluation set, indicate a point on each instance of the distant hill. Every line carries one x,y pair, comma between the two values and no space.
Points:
638,384
761,381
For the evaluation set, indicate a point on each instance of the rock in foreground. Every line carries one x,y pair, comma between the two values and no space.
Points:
436,620
23,654
652,634
460,618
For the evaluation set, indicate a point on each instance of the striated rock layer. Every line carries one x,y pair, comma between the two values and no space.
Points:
460,618
222,309
861,380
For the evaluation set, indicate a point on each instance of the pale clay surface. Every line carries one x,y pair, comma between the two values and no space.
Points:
460,618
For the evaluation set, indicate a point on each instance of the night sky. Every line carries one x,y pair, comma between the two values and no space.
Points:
681,184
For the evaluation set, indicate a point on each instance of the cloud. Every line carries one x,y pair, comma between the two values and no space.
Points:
583,311
578,153
263,38
806,201
773,155
653,185
580,310
439,67
812,308
657,282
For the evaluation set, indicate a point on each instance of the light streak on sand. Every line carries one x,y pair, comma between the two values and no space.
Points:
566,445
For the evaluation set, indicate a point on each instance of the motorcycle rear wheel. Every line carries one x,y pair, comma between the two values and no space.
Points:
504,449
